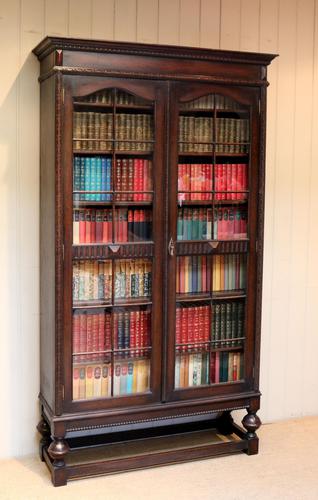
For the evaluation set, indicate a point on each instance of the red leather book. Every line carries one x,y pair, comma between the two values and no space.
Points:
83,336
118,179
101,334
216,181
178,327
137,334
130,178
132,341
105,238
99,226
240,181
148,326
115,330
140,181
229,182
124,178
82,227
88,226
184,327
89,330
223,182
93,226
95,336
193,327
124,225
76,336
108,333
135,180
212,368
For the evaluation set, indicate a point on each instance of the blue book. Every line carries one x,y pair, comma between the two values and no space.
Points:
108,178
76,176
104,184
130,378
93,178
82,176
98,177
87,177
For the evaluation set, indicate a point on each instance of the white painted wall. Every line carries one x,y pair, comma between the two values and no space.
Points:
289,380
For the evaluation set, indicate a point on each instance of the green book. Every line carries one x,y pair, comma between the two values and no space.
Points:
180,226
195,224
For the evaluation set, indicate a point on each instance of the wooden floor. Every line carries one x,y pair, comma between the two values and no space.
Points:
286,468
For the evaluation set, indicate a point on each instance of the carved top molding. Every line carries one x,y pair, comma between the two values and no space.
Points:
49,44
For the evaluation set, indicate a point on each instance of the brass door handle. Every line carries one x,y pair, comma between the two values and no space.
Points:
171,247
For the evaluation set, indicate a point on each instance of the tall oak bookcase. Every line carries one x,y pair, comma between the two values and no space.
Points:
152,215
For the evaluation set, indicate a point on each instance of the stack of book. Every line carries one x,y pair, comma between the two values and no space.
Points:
191,370
94,131
197,369
92,173
133,175
92,280
232,135
133,278
228,323
193,325
131,376
92,381
95,380
192,274
211,101
195,133
196,223
91,335
195,181
132,332
226,366
96,226
228,272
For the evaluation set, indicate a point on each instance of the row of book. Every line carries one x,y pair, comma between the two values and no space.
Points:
228,272
133,278
133,175
192,370
92,280
96,226
93,176
110,97
205,224
194,276
196,182
92,173
92,333
95,380
97,132
228,323
211,101
201,134
193,325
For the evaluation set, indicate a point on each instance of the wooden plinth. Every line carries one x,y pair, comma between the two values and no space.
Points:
170,447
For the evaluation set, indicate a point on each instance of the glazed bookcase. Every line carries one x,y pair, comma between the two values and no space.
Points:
152,213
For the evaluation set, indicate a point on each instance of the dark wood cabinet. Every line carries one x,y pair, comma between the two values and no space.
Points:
152,213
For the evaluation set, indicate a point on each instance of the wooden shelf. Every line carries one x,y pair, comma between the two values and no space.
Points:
98,152
100,106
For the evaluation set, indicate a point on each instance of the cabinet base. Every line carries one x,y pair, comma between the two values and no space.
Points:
166,446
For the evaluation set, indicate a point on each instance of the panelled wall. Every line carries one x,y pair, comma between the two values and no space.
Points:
289,380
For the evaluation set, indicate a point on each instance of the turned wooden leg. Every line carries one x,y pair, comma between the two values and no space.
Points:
57,451
44,429
251,422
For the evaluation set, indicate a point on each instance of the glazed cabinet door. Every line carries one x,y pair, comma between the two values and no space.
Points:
113,170
213,176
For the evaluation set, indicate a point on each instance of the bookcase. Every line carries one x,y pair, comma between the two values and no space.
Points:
152,213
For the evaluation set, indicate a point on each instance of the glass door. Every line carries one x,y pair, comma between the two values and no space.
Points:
209,263
116,246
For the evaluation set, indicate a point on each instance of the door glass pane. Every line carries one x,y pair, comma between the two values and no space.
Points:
212,199
113,145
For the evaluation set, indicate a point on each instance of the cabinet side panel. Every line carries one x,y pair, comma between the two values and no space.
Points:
47,241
